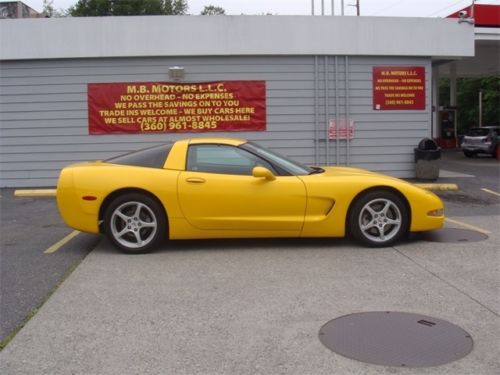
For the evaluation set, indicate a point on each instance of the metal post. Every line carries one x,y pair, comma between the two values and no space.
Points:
327,113
453,84
322,7
347,110
357,8
480,108
312,7
342,7
333,7
435,125
453,98
337,117
316,107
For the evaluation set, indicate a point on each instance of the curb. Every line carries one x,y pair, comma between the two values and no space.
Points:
35,193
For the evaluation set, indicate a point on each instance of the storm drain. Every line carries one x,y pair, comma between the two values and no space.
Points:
453,235
396,339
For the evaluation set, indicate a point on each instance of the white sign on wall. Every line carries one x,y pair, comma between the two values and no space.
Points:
342,129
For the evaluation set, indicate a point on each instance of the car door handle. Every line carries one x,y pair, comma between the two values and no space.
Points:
195,180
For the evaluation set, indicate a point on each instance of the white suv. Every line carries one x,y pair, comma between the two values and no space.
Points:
482,140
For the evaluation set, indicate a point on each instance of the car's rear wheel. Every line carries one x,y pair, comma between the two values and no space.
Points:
378,218
135,223
468,154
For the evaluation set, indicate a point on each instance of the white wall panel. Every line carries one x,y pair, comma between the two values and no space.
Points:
44,125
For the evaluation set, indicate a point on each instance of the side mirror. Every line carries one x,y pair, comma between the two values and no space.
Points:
261,172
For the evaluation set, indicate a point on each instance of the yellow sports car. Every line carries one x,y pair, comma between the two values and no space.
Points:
232,188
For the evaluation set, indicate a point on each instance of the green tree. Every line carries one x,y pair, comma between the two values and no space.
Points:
212,10
48,8
97,8
468,100
50,11
137,7
176,7
91,8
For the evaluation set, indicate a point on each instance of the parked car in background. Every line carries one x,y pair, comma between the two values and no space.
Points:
483,140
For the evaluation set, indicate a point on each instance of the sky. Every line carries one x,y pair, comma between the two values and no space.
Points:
396,8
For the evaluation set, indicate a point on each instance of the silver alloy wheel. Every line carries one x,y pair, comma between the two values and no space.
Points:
380,220
133,224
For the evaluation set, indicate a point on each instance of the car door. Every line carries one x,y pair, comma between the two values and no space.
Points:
218,192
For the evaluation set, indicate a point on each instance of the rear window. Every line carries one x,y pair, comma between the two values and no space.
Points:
153,157
478,132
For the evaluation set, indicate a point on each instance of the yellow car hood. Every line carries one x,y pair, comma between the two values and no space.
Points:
347,171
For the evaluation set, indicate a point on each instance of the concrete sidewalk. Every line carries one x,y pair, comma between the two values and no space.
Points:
255,307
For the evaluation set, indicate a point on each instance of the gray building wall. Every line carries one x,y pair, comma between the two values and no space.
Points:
44,122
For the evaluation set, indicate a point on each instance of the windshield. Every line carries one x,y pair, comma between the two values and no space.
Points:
281,161
478,132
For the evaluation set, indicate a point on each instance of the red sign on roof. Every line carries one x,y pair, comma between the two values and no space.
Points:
485,15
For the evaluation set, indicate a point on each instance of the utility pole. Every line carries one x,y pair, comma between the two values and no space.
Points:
357,7
323,9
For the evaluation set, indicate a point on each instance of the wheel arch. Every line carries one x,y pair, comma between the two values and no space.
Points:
115,194
378,188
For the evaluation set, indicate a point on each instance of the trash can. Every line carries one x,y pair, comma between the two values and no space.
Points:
427,160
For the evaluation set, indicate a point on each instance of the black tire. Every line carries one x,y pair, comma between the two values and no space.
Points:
468,154
378,218
135,223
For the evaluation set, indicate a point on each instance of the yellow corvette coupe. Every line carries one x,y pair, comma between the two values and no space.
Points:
231,188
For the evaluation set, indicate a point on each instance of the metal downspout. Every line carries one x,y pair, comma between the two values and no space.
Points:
347,110
337,118
316,107
327,114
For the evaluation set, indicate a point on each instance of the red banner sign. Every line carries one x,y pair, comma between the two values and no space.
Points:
401,87
169,107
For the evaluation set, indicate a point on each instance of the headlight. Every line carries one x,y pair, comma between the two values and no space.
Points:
436,213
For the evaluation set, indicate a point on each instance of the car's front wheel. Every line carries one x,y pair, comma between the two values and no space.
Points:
135,223
378,218
468,154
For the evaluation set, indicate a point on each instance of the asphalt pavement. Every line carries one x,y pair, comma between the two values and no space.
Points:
28,227
256,306
478,179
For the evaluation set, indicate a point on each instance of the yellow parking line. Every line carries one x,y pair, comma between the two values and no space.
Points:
438,186
477,229
490,191
61,243
35,193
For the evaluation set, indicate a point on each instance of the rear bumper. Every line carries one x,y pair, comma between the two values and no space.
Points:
487,149
71,210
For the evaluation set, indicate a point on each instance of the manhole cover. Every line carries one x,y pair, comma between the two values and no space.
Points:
396,339
453,235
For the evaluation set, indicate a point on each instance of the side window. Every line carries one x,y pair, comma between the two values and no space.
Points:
223,159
